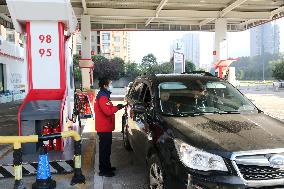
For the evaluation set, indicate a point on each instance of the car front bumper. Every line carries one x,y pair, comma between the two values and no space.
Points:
220,182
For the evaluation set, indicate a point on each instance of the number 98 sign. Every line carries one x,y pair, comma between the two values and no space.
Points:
45,39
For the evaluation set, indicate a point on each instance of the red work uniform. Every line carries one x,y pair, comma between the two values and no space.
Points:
105,124
104,109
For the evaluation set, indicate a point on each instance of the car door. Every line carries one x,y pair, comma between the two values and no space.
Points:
132,117
145,120
141,119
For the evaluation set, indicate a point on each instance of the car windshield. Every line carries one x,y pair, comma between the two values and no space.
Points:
202,96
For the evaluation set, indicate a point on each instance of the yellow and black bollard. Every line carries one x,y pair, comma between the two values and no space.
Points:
17,156
78,177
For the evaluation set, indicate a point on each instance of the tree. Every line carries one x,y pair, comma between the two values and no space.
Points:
166,68
119,66
77,71
251,68
102,67
132,70
149,64
113,69
278,70
149,60
189,66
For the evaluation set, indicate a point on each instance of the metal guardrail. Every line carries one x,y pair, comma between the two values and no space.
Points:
78,177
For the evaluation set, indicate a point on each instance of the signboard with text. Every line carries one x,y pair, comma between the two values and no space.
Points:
179,63
45,55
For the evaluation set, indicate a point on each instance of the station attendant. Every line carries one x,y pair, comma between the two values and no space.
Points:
105,124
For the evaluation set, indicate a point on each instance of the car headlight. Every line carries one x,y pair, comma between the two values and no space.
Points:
197,159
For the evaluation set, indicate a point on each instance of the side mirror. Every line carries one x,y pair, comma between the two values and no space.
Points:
139,108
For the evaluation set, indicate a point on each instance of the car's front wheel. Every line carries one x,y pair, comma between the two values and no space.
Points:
156,173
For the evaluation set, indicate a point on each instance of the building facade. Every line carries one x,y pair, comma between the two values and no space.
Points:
110,44
189,45
13,67
265,39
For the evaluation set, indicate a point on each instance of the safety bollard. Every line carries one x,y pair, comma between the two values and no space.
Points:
78,177
17,156
43,178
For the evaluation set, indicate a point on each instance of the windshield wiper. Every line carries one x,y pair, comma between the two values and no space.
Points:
226,112
182,114
186,114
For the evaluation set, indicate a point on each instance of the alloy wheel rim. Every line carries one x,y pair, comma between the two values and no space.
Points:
156,177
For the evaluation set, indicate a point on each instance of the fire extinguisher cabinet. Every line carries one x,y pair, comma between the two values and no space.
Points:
34,116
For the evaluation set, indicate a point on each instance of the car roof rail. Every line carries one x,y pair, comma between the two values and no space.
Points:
199,72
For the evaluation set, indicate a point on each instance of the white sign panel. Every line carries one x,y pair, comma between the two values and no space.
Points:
179,64
45,55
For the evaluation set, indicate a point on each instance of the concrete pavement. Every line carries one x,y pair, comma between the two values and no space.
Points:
130,172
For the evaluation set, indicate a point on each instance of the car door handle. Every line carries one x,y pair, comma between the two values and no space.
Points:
149,136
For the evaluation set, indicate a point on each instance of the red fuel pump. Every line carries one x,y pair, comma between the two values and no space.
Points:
47,129
57,142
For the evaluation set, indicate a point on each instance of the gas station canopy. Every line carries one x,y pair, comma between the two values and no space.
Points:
190,15
175,15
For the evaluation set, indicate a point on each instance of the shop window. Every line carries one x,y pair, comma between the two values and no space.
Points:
106,36
117,49
10,37
93,38
117,38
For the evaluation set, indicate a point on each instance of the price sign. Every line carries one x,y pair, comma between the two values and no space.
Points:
45,55
179,64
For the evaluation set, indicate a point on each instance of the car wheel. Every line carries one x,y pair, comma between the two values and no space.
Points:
126,142
156,173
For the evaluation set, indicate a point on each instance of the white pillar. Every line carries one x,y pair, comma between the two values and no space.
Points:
86,49
220,46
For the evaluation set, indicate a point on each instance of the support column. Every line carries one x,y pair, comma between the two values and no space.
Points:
220,46
86,50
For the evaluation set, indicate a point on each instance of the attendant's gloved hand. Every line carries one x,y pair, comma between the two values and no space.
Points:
120,106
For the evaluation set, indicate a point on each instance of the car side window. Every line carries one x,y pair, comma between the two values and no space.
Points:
146,95
136,90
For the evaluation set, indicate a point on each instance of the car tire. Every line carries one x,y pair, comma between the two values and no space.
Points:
126,142
156,175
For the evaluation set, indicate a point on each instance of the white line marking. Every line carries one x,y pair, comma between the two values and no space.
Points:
98,180
29,168
10,169
52,170
66,166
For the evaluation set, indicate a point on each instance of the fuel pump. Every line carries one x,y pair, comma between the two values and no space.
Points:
50,94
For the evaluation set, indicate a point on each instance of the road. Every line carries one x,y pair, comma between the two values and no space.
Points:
8,122
8,118
267,100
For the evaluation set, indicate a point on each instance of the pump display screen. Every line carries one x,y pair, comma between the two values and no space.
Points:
45,55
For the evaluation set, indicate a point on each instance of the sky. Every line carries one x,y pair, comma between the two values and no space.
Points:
158,43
